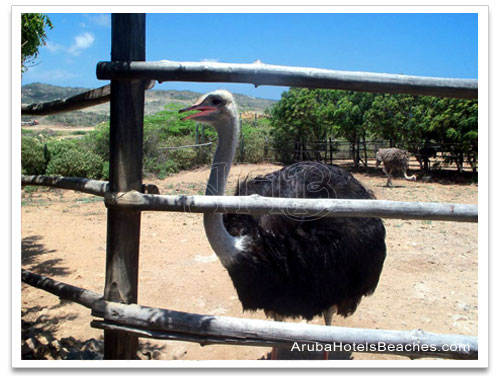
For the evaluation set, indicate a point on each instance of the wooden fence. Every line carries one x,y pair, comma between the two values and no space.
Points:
121,318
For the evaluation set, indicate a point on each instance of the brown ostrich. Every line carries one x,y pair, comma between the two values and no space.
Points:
393,160
290,265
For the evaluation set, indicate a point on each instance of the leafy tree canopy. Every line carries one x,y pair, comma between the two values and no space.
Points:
310,115
33,26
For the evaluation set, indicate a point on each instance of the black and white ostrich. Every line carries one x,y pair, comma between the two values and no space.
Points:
289,265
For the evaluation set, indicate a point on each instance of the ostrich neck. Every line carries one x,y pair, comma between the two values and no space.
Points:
222,161
225,245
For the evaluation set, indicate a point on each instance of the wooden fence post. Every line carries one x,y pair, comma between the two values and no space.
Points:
330,150
125,174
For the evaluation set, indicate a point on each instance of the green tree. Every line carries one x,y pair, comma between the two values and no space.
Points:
384,118
404,120
456,124
33,26
301,116
350,121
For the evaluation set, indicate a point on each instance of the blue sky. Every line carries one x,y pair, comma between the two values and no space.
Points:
438,45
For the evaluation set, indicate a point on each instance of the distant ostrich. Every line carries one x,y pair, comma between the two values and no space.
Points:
393,160
290,265
424,154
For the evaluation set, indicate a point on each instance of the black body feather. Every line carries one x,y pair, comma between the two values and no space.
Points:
297,266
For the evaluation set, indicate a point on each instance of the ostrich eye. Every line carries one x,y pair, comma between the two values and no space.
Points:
216,101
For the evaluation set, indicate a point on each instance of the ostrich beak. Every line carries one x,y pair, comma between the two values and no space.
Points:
204,110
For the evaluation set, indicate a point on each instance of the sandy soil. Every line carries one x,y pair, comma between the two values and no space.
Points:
60,127
429,279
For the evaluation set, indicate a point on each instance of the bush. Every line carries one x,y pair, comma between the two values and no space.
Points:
171,161
254,143
161,167
70,158
33,160
253,147
89,156
168,124
98,140
105,170
185,159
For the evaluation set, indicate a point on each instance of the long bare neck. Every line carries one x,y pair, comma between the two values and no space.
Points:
222,161
225,245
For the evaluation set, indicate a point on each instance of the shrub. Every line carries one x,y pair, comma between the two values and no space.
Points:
161,167
185,159
254,144
98,140
253,147
105,170
70,158
33,160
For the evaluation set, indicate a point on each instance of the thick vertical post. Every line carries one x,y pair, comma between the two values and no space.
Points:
125,174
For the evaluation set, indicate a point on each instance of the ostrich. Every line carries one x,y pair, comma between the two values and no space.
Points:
290,265
393,160
424,154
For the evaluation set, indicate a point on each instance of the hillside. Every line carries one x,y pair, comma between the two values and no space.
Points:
155,100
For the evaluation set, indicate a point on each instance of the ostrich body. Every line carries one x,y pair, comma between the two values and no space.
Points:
393,160
424,154
290,265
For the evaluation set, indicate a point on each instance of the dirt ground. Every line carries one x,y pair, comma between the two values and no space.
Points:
429,279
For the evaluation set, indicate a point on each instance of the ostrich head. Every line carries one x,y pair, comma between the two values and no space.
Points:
217,108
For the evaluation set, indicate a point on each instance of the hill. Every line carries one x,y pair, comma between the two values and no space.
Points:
36,93
155,101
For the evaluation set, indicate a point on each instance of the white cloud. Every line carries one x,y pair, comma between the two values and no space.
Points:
81,42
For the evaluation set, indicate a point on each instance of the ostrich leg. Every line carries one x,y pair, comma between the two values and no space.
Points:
389,177
328,319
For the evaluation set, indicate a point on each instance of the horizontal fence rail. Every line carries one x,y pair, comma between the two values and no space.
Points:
208,329
277,75
63,290
94,187
76,102
259,205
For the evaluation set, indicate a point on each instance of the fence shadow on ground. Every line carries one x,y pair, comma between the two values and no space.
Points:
46,322
31,250
39,340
